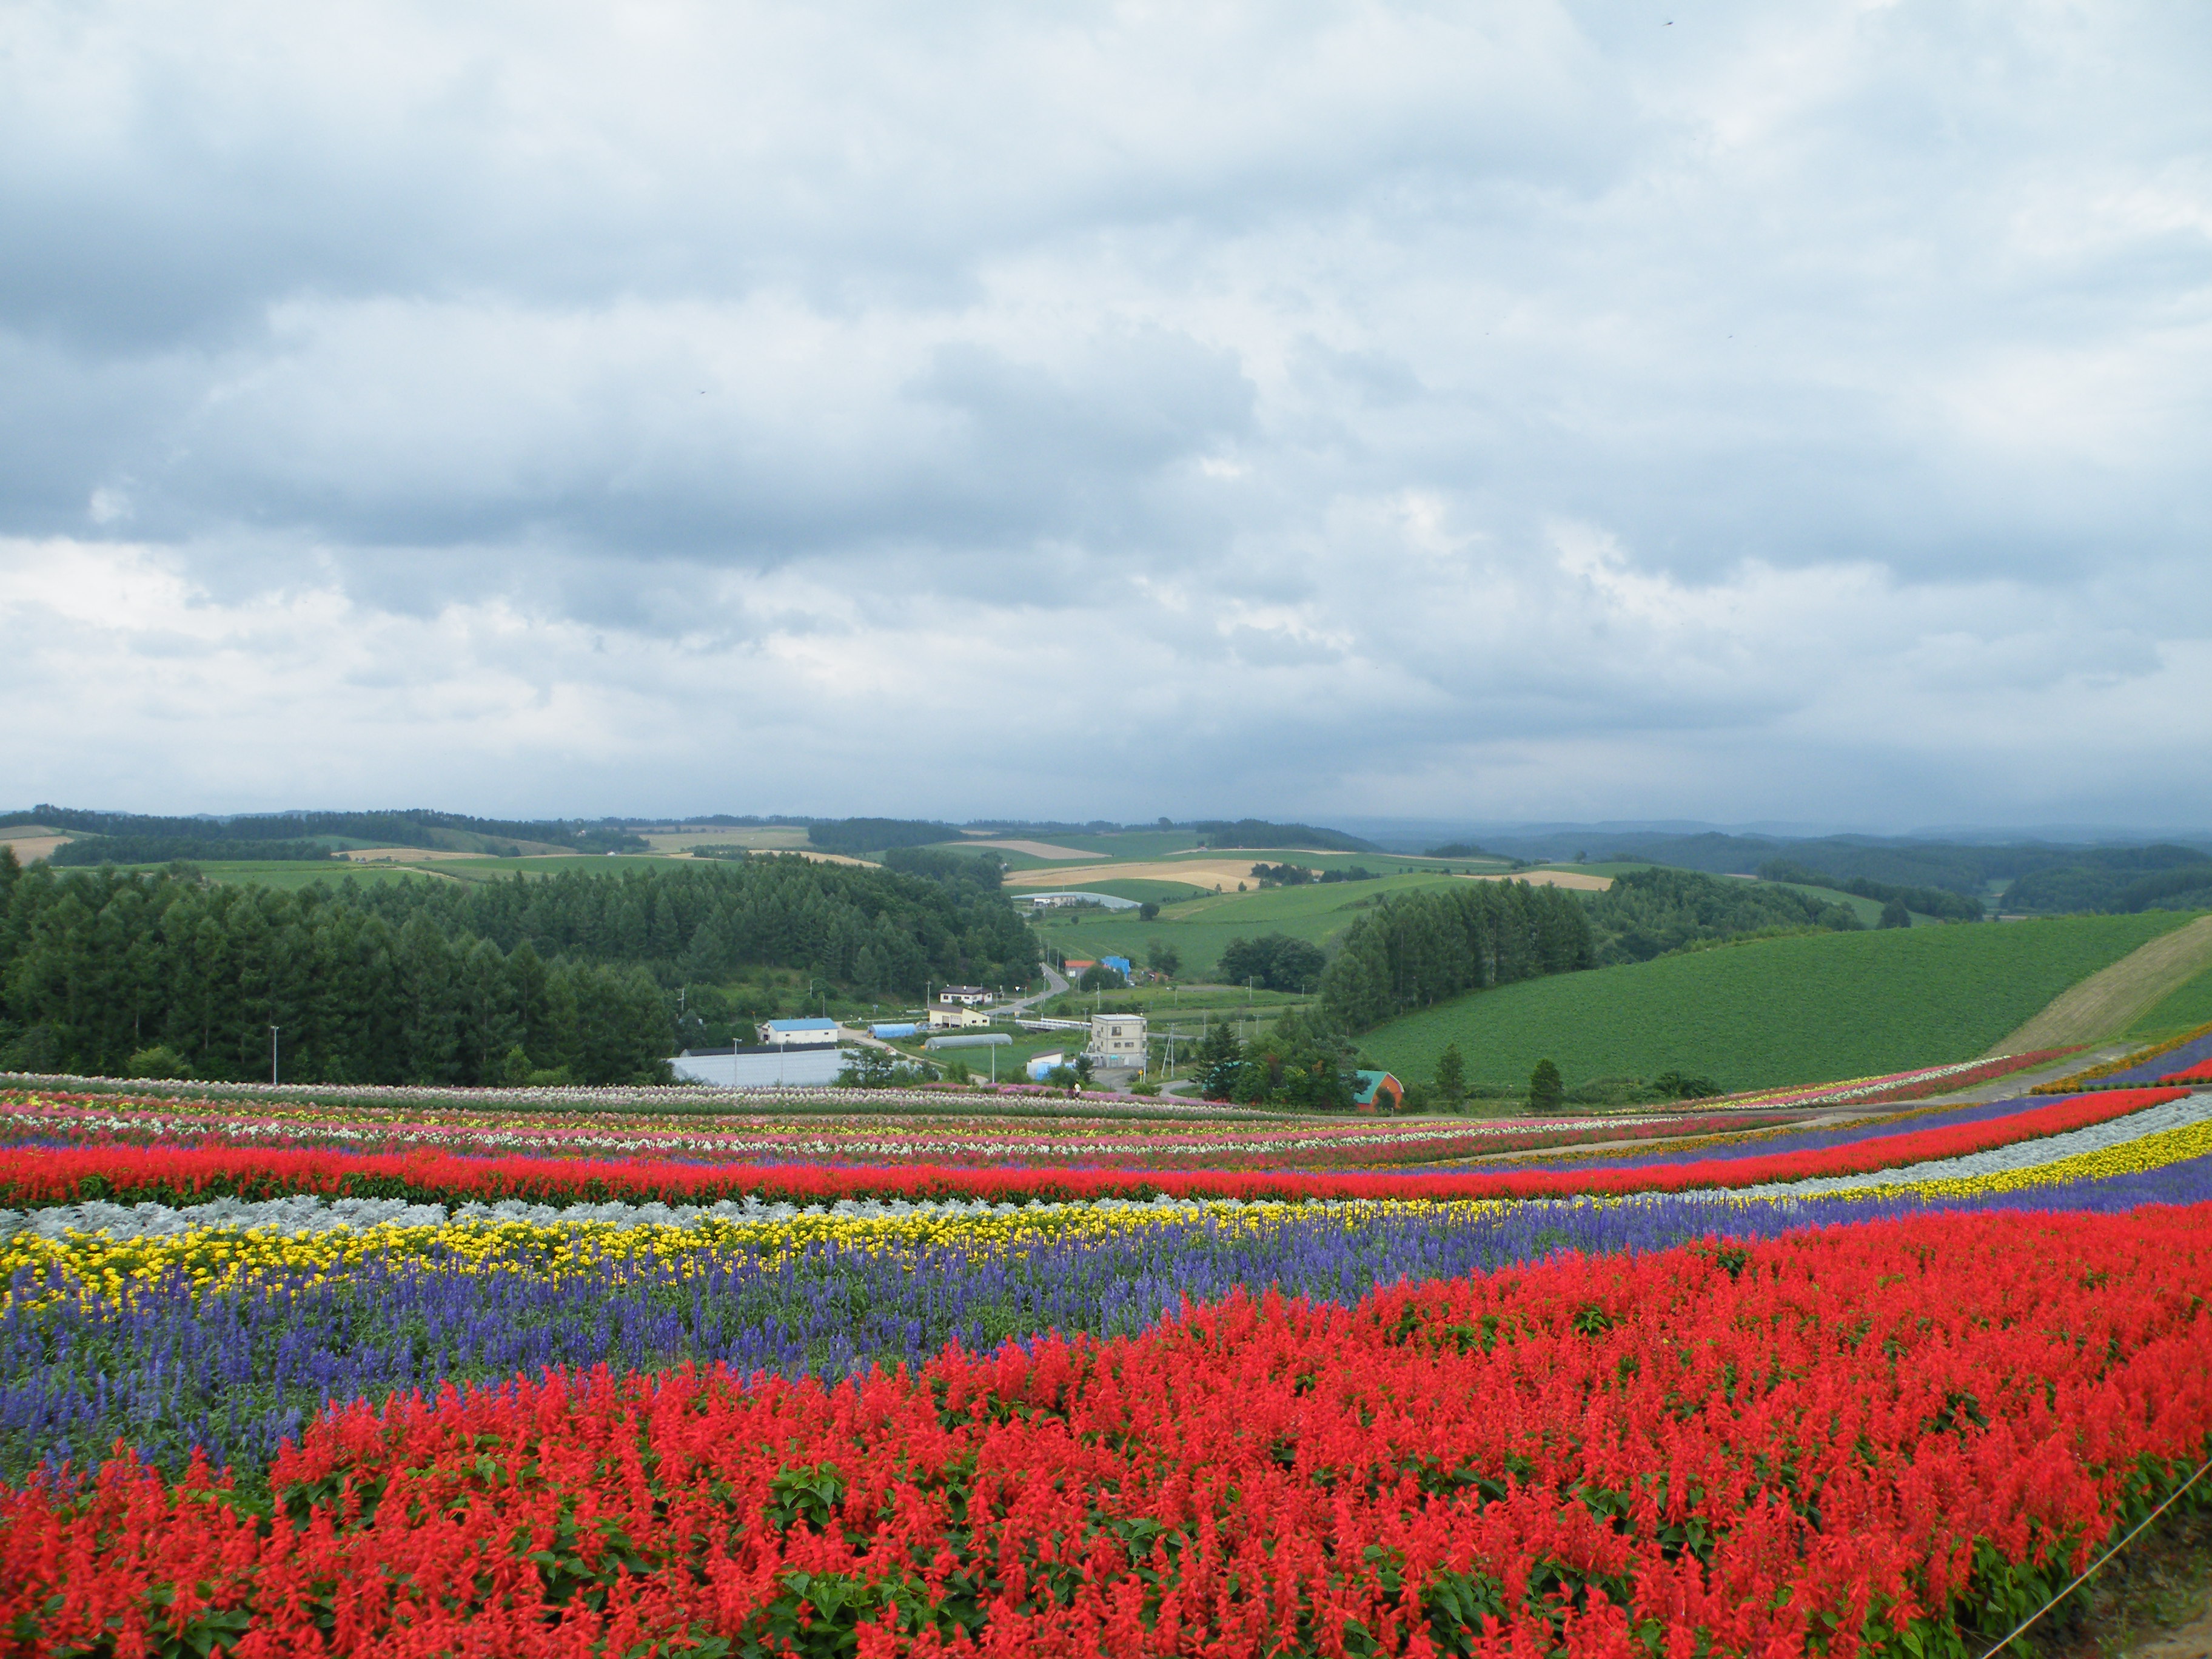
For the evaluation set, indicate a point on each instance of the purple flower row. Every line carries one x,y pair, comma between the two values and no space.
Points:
239,1373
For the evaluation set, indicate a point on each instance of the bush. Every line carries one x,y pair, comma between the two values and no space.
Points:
1609,1092
1545,1092
158,1061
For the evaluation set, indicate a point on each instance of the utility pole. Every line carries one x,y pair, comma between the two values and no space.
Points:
272,1054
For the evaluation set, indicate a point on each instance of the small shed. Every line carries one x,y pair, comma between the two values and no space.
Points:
799,1033
1378,1092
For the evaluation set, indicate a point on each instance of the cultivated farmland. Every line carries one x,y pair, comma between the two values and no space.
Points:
1798,1010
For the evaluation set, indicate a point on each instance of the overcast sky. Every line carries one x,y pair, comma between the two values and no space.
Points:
1797,413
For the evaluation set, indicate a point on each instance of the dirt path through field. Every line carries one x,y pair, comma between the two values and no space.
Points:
2105,1004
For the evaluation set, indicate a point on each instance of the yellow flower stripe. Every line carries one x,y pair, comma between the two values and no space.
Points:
217,1258
220,1259
2151,1152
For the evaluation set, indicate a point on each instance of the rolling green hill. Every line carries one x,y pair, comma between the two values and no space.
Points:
1200,928
1802,1010
2186,1010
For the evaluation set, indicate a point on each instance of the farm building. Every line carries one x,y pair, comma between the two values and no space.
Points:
1075,967
780,1065
973,1040
1062,900
1378,1092
799,1033
955,1017
962,996
1122,966
1117,1040
1040,1064
905,1027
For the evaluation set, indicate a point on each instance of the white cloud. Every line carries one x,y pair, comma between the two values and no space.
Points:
1496,411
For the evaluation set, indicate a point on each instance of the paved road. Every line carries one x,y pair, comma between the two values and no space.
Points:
1054,985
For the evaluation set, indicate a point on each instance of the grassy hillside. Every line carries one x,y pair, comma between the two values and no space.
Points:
291,875
2105,1004
1800,1010
2186,1009
1200,928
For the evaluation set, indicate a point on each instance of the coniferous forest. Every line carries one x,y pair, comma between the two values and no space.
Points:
571,977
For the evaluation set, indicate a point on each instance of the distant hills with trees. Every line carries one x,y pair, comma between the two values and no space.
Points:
577,972
128,835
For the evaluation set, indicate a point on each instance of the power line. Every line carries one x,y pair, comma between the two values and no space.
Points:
2095,1565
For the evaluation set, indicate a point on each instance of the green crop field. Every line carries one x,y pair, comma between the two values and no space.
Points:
1867,910
1808,1009
1201,928
291,873
2186,1009
1155,892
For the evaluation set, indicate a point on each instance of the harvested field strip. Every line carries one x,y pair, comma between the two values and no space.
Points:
1224,870
1036,849
1581,880
2108,1003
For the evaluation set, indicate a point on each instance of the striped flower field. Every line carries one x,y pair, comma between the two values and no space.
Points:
1869,1386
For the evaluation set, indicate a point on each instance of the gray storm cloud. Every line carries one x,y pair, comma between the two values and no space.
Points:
1487,411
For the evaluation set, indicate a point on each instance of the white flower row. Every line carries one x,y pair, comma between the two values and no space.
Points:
306,1213
640,1097
2021,1154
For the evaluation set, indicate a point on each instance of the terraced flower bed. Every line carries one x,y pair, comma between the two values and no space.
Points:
975,1140
1859,1436
1870,1387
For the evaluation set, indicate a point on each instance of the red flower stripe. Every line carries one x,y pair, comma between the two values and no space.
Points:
32,1175
1831,1441
2200,1072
